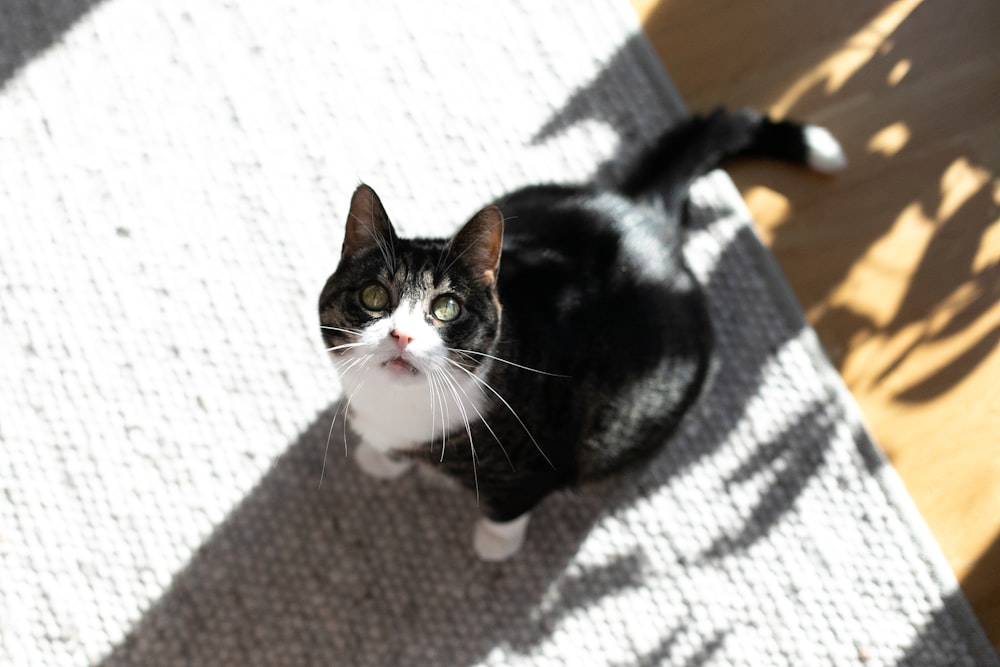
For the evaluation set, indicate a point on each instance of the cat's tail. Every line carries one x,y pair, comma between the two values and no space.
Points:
698,144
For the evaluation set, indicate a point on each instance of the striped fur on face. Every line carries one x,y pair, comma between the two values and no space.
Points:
426,308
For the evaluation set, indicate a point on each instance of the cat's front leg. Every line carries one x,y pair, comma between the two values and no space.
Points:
496,541
378,465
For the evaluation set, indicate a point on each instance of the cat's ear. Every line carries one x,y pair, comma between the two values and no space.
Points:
367,223
479,242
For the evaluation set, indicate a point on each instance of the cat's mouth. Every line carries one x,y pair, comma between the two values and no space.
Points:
400,365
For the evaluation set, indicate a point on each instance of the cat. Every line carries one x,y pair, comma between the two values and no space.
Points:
555,339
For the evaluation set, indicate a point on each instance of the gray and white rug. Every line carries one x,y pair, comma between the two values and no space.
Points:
174,176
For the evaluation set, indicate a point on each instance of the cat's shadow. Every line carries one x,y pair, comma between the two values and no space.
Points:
369,570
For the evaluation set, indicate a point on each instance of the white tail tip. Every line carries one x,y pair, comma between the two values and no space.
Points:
824,153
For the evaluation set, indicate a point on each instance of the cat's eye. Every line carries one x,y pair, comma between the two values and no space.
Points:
375,297
446,308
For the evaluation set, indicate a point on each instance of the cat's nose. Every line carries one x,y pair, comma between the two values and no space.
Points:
402,338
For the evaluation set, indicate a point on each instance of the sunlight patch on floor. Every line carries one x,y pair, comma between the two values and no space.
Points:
772,209
890,139
899,72
960,182
838,68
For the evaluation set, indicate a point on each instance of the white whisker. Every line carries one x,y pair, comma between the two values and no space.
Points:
437,396
506,404
326,452
354,332
329,436
345,346
347,407
345,365
468,427
509,363
480,415
445,412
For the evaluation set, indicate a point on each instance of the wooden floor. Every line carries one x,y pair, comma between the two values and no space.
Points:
896,262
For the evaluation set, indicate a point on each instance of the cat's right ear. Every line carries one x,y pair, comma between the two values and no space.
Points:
479,244
367,223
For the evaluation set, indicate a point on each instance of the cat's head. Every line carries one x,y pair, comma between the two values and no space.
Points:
409,308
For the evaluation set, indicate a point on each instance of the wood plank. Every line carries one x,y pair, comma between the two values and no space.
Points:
897,261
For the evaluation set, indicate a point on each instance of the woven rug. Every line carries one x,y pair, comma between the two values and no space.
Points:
174,177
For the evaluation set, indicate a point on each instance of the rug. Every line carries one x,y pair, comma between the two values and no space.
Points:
173,184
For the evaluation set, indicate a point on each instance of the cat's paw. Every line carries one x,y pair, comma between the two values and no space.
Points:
376,464
499,541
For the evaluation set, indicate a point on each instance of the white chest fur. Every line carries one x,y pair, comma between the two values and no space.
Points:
401,387
391,412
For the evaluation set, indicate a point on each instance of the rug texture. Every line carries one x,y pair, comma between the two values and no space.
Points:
174,178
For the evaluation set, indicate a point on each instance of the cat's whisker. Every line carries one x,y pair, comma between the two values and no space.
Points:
487,385
347,405
445,413
433,391
472,403
432,394
326,451
344,366
450,383
353,332
447,419
344,346
443,410
509,363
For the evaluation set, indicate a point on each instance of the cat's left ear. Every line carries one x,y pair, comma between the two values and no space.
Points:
478,244
367,223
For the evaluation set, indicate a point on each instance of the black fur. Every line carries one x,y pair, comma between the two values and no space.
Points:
593,290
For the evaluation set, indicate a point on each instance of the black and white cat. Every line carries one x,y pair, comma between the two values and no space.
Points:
555,339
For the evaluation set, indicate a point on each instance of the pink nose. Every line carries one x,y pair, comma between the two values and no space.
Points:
402,339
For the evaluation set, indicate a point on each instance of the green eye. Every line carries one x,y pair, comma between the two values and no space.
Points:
446,308
375,297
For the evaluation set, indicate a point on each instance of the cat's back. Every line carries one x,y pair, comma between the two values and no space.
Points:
593,287
589,263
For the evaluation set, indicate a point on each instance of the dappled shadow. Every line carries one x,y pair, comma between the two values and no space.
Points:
375,572
938,185
928,322
609,98
932,644
981,586
967,298
790,463
363,569
665,650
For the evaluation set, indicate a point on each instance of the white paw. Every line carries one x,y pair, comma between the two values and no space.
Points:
499,541
824,152
378,465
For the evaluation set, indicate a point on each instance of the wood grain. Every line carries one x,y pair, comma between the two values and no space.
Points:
896,262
